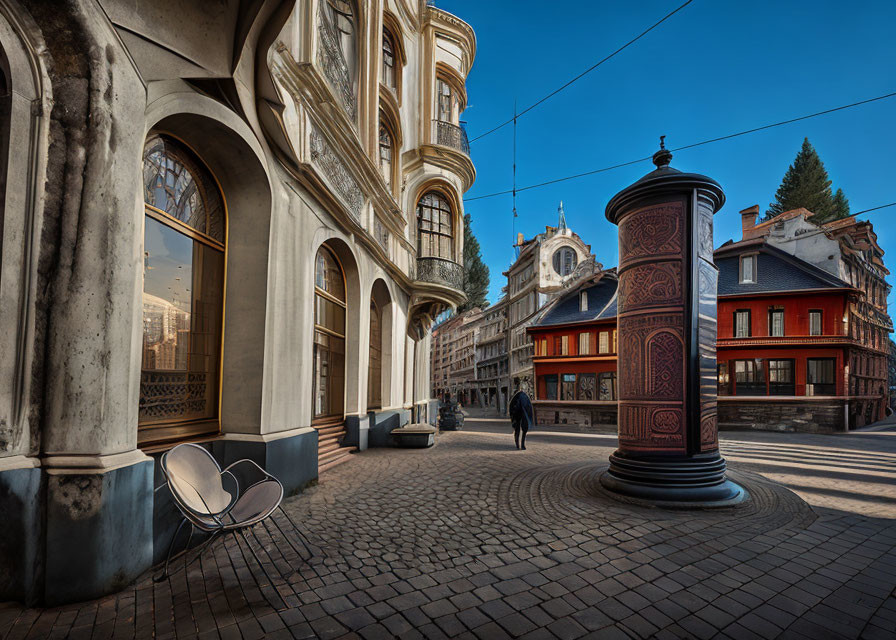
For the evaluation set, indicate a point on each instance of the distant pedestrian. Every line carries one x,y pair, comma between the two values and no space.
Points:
522,416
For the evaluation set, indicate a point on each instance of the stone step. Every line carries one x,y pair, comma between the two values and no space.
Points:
330,439
327,447
328,457
329,464
336,428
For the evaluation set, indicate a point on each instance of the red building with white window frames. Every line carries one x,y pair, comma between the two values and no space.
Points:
801,345
575,355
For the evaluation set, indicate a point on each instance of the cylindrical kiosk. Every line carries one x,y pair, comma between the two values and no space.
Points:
668,426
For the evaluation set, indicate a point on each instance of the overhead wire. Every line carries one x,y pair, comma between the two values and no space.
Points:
683,147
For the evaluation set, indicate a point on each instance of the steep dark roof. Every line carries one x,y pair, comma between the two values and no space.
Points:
601,305
776,271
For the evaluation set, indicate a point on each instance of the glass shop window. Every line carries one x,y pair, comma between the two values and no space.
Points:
781,379
550,386
820,377
749,378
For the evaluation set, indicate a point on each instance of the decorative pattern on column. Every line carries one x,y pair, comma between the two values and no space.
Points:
668,432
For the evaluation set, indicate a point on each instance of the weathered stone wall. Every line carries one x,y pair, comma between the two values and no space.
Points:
88,277
821,416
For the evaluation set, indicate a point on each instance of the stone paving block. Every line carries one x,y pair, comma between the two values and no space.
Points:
550,565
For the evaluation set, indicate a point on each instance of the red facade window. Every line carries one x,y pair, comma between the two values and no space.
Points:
815,322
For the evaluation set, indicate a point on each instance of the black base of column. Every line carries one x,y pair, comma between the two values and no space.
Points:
669,482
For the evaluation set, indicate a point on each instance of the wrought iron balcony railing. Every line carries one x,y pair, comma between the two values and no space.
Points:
333,64
440,271
451,135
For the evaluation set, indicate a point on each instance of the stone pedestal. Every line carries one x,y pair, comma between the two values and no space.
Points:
668,432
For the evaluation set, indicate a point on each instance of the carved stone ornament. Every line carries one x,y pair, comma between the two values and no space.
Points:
381,233
337,174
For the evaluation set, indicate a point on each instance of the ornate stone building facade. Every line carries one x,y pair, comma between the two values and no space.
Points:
491,358
454,350
544,263
224,222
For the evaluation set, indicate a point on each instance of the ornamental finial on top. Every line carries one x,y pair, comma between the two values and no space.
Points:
663,157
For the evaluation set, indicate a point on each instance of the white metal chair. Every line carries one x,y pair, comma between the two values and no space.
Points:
197,486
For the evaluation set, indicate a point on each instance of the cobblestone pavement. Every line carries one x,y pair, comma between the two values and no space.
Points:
473,539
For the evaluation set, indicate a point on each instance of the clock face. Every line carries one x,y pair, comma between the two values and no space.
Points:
565,261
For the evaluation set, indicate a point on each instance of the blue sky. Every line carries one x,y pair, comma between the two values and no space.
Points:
712,69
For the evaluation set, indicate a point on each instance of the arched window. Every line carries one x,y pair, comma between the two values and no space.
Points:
387,76
183,294
328,362
435,227
375,361
386,155
342,17
565,260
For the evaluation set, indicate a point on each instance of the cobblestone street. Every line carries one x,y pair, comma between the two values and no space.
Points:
475,539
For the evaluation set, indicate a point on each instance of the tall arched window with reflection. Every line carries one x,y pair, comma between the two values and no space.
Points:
183,294
328,362
342,17
435,227
387,76
386,152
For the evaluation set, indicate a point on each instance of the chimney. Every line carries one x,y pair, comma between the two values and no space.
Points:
519,239
748,219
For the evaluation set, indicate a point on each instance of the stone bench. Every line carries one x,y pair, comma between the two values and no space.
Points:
415,436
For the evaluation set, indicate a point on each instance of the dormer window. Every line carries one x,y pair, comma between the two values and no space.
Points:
583,301
748,269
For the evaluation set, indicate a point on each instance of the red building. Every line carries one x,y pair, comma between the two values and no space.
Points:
799,348
575,354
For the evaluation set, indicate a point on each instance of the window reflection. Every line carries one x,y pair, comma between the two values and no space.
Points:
167,303
183,295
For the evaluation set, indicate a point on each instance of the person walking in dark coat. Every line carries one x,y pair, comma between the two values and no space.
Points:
522,416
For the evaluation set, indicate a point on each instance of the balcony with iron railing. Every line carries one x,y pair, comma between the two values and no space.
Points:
441,271
451,135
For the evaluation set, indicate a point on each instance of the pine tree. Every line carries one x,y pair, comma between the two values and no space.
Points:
806,184
840,208
476,277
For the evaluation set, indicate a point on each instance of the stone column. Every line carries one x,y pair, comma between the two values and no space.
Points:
668,432
96,487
